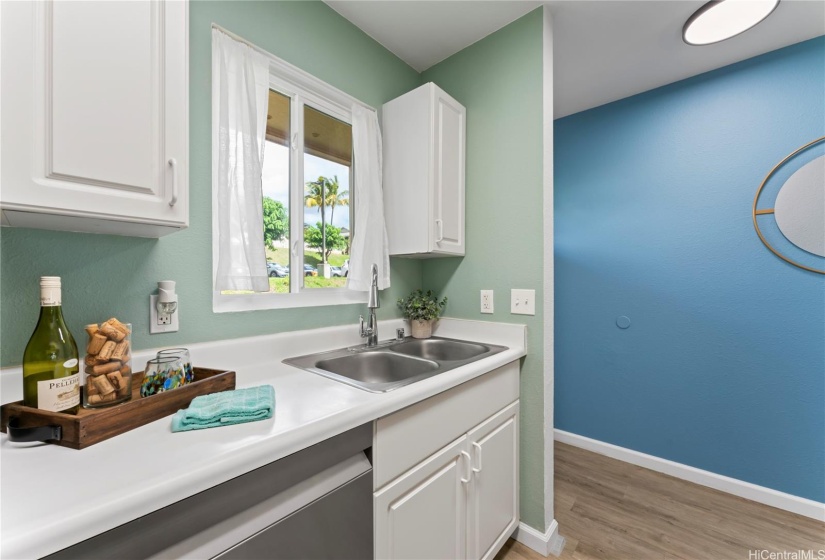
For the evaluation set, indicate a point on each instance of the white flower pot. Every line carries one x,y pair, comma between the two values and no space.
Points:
421,329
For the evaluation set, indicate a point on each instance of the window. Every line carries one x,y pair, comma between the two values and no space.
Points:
307,196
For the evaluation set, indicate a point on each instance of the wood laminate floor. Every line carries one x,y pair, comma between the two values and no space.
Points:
612,510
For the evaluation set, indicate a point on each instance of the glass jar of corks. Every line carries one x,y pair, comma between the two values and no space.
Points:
108,364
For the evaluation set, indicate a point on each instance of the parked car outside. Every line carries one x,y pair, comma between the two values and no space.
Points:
345,269
310,270
336,271
275,270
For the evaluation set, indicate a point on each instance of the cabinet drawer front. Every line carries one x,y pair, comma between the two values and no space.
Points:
404,438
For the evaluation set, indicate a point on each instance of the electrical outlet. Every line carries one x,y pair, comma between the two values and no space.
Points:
523,302
486,301
162,322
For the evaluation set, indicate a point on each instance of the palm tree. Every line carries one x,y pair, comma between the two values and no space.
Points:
316,196
323,193
333,197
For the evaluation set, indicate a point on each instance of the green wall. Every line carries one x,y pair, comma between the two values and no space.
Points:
109,275
499,81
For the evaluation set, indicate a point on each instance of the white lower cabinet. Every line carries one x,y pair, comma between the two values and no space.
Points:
460,502
423,514
493,499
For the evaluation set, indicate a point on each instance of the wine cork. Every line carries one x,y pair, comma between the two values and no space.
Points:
116,380
121,351
125,370
89,360
97,399
104,386
119,326
91,329
91,389
105,368
112,333
106,352
95,343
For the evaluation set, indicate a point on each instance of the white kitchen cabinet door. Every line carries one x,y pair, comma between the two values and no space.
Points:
424,163
95,116
448,168
493,512
422,514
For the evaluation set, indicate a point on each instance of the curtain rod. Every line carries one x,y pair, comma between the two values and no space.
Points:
280,61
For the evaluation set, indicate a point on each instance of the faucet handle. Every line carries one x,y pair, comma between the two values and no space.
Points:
399,334
361,326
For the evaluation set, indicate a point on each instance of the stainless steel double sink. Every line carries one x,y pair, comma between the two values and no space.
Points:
394,364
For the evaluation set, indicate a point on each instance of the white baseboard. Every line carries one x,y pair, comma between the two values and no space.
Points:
761,494
545,543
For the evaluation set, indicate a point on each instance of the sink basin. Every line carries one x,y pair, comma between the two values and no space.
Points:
393,364
440,349
377,367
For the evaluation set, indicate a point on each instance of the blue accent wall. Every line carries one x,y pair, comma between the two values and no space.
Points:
723,365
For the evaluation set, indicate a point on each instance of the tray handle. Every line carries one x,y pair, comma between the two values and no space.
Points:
40,433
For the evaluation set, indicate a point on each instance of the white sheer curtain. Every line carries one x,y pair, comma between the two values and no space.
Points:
369,244
240,78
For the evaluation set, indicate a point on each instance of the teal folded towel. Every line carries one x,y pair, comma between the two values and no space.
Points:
226,408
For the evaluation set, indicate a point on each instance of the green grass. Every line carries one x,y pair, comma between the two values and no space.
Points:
281,285
281,256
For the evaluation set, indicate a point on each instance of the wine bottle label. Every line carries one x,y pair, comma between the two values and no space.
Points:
59,394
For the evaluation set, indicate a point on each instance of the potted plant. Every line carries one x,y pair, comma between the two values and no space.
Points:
421,309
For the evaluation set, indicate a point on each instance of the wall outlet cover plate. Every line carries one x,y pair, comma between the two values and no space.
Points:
523,302
156,326
487,301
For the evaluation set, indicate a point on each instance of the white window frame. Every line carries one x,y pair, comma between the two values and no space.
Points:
303,89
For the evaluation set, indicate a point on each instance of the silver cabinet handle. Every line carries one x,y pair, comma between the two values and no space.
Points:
174,165
440,224
478,450
467,462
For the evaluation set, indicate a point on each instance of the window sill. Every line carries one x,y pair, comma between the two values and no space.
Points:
310,298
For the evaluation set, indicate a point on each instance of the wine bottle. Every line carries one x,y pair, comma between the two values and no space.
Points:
50,366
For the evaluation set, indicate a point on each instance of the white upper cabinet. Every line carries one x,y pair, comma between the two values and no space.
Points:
95,116
424,151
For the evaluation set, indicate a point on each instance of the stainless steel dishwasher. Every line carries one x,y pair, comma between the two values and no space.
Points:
313,505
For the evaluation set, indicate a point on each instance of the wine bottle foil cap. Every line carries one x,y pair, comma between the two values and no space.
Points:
50,281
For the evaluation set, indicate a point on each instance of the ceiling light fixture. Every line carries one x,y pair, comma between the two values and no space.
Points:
722,19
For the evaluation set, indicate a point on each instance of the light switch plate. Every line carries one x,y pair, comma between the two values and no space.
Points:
156,326
486,301
523,302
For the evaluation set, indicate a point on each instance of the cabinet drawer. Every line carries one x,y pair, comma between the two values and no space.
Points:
402,439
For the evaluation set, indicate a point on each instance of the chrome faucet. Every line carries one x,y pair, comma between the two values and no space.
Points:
371,330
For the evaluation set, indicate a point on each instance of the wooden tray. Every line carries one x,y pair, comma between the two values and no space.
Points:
93,425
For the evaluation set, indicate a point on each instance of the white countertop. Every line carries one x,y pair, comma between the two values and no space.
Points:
53,497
